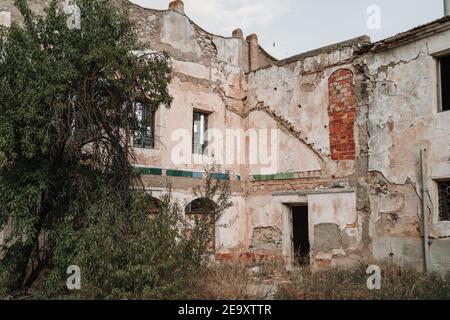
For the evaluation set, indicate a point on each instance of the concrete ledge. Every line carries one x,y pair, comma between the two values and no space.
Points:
312,191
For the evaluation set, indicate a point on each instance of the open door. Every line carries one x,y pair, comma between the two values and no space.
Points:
300,235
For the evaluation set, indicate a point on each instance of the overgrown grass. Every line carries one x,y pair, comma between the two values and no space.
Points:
238,282
227,282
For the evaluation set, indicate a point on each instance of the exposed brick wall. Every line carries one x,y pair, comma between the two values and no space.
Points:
342,114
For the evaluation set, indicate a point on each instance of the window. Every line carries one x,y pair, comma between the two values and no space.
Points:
444,63
444,200
199,137
144,136
201,206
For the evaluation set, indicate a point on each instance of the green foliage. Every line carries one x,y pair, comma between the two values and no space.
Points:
129,254
66,115
67,192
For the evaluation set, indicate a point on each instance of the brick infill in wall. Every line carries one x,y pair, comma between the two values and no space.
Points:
342,115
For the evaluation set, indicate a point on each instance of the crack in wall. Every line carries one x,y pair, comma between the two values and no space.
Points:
285,125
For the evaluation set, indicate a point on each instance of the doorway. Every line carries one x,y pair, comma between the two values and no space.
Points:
300,232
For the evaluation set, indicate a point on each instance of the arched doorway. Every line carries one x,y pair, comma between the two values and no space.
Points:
203,209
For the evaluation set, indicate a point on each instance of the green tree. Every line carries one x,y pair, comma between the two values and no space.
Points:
129,255
66,115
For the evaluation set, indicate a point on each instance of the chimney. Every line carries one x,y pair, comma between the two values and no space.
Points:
238,34
446,7
177,6
253,52
253,39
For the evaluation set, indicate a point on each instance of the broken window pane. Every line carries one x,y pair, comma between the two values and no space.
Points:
444,200
144,136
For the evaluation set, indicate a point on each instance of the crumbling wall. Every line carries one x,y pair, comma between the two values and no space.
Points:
11,13
228,228
318,102
208,75
352,118
403,118
336,227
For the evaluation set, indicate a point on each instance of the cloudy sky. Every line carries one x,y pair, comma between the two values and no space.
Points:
289,27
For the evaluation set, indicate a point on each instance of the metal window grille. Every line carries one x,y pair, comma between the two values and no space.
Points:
444,200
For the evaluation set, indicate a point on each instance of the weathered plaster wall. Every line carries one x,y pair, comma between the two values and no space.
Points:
403,118
9,13
208,71
5,18
295,97
230,226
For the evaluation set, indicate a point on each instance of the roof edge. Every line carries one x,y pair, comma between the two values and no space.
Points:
417,33
361,41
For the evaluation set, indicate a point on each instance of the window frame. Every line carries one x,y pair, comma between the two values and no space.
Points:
148,142
440,100
439,199
205,135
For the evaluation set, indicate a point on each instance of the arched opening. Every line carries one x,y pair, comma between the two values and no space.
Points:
204,210
154,207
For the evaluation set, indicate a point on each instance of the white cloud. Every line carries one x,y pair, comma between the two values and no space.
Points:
246,14
222,16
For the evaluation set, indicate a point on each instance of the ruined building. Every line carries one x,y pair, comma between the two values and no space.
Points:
343,127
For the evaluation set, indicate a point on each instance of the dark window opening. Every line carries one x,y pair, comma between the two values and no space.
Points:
300,234
199,135
445,82
444,200
144,136
201,206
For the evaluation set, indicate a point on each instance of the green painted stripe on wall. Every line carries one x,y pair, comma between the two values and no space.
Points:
149,171
179,173
221,176
184,174
197,175
277,176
